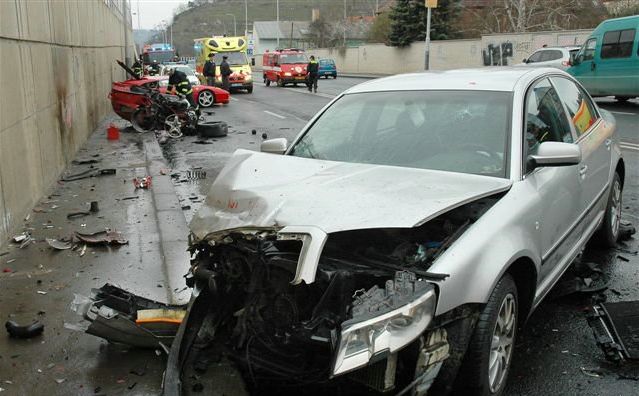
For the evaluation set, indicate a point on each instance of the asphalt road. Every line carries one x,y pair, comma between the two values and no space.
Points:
556,348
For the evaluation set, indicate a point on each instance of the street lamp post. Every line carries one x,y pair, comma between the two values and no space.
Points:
246,18
234,24
429,4
277,11
344,23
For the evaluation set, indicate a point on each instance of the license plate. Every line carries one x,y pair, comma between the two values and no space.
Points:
236,85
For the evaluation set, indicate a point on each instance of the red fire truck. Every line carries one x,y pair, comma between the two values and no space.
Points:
284,66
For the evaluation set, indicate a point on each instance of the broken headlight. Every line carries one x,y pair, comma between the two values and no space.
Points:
384,321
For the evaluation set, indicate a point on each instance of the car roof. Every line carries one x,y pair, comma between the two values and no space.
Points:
486,79
567,47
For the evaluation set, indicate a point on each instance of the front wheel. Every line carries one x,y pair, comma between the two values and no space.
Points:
489,355
608,233
249,89
173,126
142,120
280,83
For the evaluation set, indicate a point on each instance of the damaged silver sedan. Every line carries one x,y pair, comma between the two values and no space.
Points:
401,239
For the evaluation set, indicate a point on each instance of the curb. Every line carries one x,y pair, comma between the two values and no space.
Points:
171,222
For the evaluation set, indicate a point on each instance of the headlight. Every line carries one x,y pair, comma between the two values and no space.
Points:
287,74
366,336
247,77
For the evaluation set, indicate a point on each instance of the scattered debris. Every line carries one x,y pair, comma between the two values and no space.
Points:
29,331
186,207
165,171
595,373
23,239
583,277
144,182
59,244
264,135
614,326
93,208
102,238
89,173
60,380
41,292
83,250
128,198
622,258
85,161
626,230
203,142
253,132
132,385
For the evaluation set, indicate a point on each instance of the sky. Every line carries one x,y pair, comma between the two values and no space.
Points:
152,12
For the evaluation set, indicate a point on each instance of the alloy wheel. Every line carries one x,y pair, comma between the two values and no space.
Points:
501,348
615,208
205,98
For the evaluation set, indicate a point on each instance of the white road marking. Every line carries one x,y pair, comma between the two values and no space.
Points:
622,112
633,148
323,95
629,143
281,117
234,99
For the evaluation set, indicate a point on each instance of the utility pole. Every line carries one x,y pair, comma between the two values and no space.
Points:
344,23
429,4
246,19
277,6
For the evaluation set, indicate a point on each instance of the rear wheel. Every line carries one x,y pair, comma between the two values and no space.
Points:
173,126
609,232
206,98
489,355
250,89
334,76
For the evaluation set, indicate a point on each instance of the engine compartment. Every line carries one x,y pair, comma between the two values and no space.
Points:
248,317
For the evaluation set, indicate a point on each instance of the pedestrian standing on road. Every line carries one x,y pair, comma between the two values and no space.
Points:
225,71
312,74
209,70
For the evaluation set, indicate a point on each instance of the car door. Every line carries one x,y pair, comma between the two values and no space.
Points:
595,143
558,188
584,68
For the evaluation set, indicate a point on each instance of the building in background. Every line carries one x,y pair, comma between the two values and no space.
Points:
292,34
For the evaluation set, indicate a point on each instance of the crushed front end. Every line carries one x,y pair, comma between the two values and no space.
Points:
293,309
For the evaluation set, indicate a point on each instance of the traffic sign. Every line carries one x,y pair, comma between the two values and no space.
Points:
431,3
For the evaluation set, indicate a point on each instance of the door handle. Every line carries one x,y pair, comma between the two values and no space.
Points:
608,142
593,66
583,170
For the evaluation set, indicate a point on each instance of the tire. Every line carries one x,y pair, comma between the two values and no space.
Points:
213,129
268,83
608,233
141,121
335,77
206,98
622,99
249,89
280,83
475,374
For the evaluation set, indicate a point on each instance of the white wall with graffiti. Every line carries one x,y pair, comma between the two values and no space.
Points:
490,50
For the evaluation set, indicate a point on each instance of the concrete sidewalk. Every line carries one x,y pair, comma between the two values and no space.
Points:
39,283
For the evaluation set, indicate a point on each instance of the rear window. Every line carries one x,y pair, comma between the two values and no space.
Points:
617,44
327,62
550,55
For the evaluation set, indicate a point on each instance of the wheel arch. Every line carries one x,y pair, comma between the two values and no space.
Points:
621,169
524,273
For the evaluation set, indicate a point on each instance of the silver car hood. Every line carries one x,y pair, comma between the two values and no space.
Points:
258,190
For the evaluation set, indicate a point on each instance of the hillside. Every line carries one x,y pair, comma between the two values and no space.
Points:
211,19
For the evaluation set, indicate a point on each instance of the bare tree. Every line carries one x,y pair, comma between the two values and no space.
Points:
533,15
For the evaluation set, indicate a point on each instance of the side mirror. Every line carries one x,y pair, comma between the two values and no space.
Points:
555,154
577,60
274,146
252,61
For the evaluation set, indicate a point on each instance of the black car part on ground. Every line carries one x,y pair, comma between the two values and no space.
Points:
614,326
279,337
119,316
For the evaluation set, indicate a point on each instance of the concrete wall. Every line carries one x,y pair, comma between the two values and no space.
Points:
445,55
57,62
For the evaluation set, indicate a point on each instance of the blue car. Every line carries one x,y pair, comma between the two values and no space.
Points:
327,68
